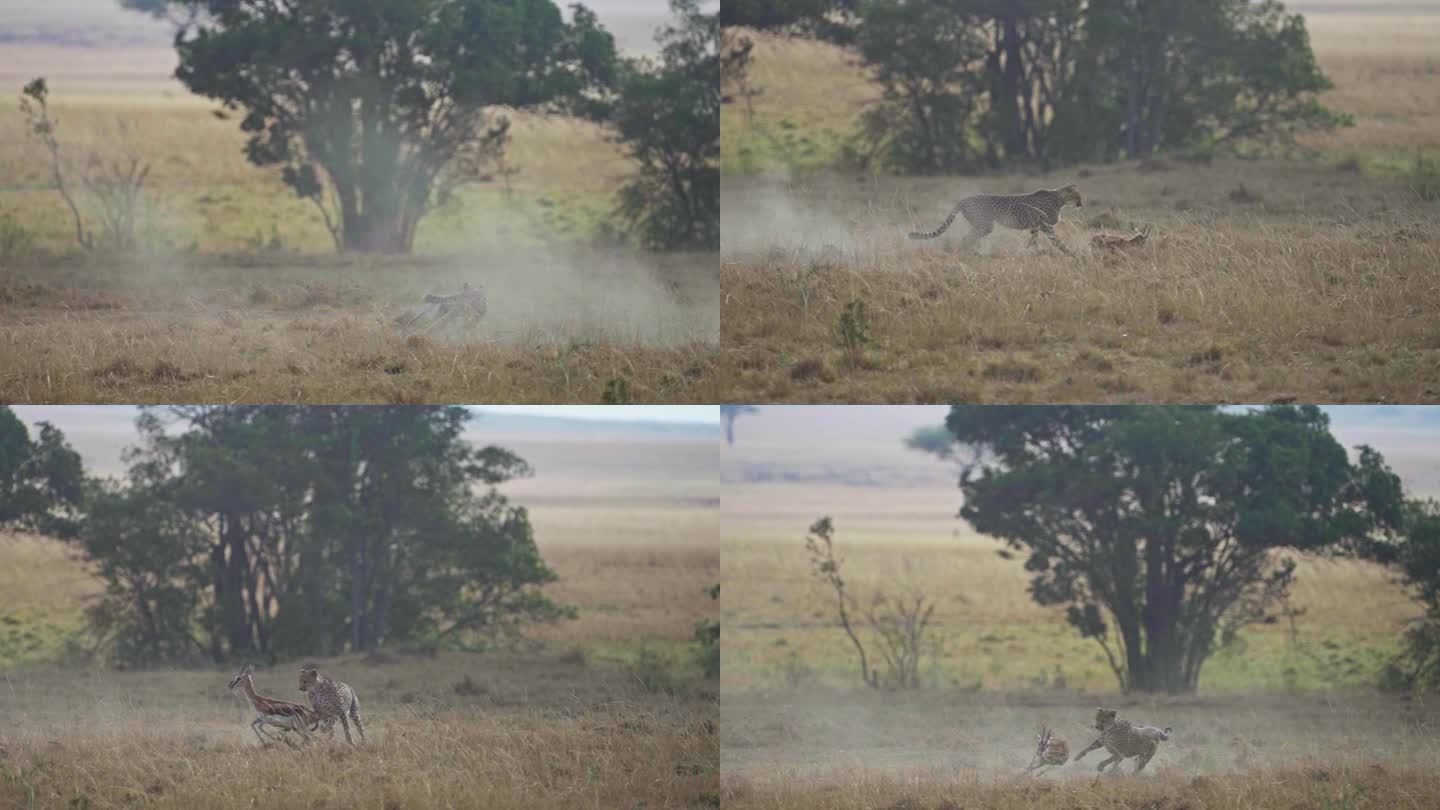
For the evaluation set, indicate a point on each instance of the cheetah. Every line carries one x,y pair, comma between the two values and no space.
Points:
331,699
1049,750
1035,212
1123,739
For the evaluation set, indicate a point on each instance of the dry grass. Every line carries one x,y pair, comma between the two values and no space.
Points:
1321,289
565,723
1316,784
497,730
948,737
203,192
1386,73
780,630
204,314
325,333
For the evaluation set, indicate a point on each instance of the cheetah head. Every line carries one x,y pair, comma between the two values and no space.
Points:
1104,718
309,676
1070,195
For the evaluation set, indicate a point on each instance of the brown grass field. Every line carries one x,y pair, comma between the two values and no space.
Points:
1287,717
237,296
1262,279
609,710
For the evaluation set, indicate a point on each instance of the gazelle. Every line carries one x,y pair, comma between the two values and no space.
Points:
282,714
1049,750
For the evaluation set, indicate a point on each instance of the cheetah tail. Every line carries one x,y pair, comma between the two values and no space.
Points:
1165,735
949,220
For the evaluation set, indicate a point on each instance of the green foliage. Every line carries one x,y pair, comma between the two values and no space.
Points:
42,481
283,531
377,111
668,118
17,242
1424,179
1415,554
1157,527
967,83
769,14
935,440
707,636
653,670
617,392
853,330
922,54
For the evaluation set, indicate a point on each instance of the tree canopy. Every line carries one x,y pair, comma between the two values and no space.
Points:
42,480
974,83
1162,530
289,530
374,109
668,118
1415,555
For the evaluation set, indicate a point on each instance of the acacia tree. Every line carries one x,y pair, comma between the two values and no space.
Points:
290,530
1162,529
375,109
1206,72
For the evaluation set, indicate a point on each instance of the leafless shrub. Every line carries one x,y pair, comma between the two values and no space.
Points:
897,623
113,185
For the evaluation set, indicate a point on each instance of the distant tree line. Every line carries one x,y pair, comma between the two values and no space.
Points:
282,531
973,84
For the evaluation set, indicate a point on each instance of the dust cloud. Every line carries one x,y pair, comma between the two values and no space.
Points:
848,220
948,735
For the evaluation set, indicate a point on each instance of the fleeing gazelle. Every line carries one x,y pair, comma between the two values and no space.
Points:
1049,750
282,714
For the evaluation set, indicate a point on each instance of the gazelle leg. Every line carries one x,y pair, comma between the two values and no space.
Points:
255,726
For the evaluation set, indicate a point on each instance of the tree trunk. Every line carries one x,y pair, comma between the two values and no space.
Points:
230,587
1015,147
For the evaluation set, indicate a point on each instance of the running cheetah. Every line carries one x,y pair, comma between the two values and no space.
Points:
1034,212
331,699
1123,739
1049,750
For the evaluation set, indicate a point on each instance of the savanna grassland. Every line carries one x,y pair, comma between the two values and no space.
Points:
608,710
235,293
1310,277
1286,716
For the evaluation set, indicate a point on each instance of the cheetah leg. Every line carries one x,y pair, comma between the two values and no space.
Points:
1055,240
1113,760
345,725
1034,237
355,715
1091,747
1144,759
